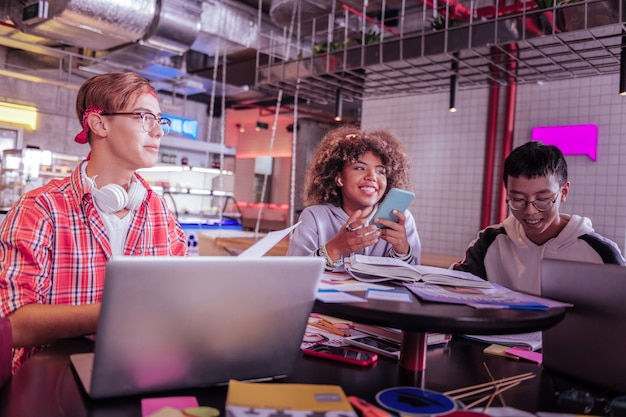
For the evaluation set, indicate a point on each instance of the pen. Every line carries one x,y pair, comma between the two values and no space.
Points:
325,322
329,328
340,323
333,326
366,409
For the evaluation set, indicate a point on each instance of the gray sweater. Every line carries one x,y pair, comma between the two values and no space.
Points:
320,223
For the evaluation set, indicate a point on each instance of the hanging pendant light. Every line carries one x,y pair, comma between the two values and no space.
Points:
339,105
454,82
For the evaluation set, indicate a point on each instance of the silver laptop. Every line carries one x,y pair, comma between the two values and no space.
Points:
590,342
179,322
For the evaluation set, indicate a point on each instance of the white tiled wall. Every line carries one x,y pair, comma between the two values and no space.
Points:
448,154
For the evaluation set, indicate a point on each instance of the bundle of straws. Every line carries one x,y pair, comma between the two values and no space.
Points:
497,387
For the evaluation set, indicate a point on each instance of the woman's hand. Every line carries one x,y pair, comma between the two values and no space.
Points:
395,233
355,235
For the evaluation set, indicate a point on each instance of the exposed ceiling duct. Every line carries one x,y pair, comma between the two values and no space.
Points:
227,27
91,24
283,12
150,37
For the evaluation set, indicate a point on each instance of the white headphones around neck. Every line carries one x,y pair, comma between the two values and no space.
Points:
112,198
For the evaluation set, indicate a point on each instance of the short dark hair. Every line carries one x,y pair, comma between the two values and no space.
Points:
535,159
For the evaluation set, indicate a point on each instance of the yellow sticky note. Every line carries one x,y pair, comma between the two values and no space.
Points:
201,412
499,350
168,412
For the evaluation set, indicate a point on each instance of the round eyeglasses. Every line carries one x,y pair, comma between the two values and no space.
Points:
542,204
577,401
148,120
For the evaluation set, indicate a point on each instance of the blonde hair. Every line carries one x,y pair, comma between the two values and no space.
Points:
111,92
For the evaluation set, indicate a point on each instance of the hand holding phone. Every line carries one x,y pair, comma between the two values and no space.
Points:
396,199
342,354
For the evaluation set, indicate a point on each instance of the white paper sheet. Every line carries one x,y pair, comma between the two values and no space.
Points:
268,241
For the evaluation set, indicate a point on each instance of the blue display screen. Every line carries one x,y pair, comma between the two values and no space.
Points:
185,127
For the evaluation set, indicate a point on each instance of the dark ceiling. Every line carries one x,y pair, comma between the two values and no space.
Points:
242,70
414,53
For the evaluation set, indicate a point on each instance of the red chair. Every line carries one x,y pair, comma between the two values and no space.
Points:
6,351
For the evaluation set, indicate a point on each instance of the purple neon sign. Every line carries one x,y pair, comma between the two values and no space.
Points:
571,140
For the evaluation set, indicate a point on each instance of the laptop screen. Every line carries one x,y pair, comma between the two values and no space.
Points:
589,343
178,322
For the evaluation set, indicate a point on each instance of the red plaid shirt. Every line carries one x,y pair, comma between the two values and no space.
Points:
54,245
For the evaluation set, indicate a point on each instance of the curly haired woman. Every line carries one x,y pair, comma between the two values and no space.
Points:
351,172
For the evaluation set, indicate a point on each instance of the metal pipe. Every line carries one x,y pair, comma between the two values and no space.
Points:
490,151
509,125
622,66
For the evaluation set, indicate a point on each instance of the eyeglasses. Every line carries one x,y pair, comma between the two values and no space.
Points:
148,120
577,401
542,204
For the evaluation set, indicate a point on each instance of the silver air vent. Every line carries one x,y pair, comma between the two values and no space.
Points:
92,24
171,34
150,37
176,27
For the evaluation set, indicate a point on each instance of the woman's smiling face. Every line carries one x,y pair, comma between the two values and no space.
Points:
364,183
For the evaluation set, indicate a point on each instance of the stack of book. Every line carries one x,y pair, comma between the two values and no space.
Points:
387,341
271,399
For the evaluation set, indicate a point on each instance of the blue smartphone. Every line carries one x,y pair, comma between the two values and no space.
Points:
396,199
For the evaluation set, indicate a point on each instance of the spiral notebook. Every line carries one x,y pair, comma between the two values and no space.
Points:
183,322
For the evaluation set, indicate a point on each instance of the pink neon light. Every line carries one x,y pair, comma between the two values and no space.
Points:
571,140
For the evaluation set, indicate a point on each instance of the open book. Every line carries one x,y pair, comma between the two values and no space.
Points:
530,341
377,268
495,297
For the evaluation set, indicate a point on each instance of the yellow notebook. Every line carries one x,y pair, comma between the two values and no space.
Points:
245,397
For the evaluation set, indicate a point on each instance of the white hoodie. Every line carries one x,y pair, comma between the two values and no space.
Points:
503,254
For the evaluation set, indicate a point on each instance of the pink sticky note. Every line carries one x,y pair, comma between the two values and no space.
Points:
151,405
571,140
525,354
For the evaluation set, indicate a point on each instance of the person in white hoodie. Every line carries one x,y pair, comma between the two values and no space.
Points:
510,253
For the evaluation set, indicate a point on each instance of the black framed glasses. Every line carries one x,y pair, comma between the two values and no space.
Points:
542,204
582,402
148,120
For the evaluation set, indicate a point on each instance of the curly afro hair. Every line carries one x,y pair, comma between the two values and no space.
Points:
347,144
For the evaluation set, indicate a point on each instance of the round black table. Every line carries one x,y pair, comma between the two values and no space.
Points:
418,317
46,385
